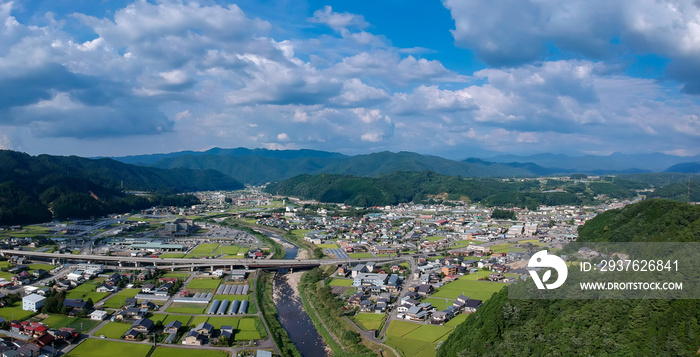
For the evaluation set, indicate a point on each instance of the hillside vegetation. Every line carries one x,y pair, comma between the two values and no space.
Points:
38,188
511,327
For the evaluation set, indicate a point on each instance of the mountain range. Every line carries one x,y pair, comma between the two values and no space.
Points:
260,166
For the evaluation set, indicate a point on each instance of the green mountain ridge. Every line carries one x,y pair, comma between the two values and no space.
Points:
512,327
38,188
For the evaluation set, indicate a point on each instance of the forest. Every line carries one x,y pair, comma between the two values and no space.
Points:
513,327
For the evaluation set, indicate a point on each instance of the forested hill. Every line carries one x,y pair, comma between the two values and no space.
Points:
399,187
512,327
32,187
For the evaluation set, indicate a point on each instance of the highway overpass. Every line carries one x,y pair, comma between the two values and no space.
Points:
188,263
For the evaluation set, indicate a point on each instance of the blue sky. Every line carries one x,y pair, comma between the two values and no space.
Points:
453,78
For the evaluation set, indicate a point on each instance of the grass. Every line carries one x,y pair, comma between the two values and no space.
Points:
245,335
182,318
341,282
182,352
361,255
5,264
456,320
57,320
203,285
87,291
434,238
218,321
6,275
398,328
104,348
428,333
481,290
37,266
198,320
119,298
186,308
439,303
113,330
176,275
328,246
172,255
231,250
369,321
203,250
14,312
157,317
76,323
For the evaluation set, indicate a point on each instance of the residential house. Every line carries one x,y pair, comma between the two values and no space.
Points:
144,325
204,328
192,338
98,315
172,326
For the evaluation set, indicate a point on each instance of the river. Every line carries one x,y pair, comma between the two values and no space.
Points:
291,312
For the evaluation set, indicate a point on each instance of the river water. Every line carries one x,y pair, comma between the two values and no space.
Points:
290,310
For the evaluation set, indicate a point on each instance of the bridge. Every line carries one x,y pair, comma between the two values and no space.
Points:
189,263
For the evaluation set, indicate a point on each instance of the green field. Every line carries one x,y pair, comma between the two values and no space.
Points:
201,285
434,238
456,320
196,320
6,275
172,255
103,348
369,321
439,303
86,291
232,250
218,321
176,275
182,318
117,301
341,282
36,266
360,255
328,246
481,290
186,308
203,250
414,339
14,312
113,330
182,352
157,317
80,325
5,264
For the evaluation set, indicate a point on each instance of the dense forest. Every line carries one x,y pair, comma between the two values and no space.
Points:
398,187
512,327
39,188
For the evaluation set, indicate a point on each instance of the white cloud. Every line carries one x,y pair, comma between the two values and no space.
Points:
338,21
282,137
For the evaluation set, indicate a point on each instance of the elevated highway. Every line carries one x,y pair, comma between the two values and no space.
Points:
188,263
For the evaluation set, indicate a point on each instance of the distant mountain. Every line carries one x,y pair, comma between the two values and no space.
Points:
401,186
685,167
37,188
236,152
611,164
261,166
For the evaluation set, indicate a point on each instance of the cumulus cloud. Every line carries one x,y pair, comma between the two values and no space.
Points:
338,21
503,33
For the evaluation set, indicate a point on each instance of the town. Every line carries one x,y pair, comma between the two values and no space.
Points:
410,272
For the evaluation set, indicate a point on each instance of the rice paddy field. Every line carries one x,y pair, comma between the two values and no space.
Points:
114,329
186,308
369,321
203,250
14,312
413,339
203,285
469,286
103,348
341,282
87,291
360,255
181,352
117,301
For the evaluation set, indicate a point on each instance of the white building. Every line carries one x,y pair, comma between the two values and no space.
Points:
98,315
33,302
95,268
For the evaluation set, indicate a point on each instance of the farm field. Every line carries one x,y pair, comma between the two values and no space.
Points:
157,317
36,266
440,303
182,318
341,282
196,320
414,339
360,255
103,348
230,298
87,291
202,285
117,301
176,275
80,325
203,250
369,321
14,312
113,330
481,290
231,250
172,255
186,308
328,246
180,352
456,320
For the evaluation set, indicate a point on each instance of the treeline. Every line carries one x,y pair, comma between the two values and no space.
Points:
37,189
515,327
